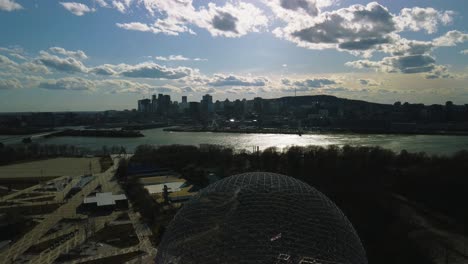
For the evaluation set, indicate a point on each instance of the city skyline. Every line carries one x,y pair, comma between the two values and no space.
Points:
101,55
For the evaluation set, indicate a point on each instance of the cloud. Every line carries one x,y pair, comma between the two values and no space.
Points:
79,54
439,72
121,5
233,80
355,28
102,3
231,20
10,84
299,11
307,84
428,19
172,58
401,46
234,19
402,64
368,82
72,65
68,83
155,71
124,86
9,5
36,68
177,58
105,69
137,26
411,56
78,9
450,39
225,22
309,7
68,64
410,64
5,61
464,52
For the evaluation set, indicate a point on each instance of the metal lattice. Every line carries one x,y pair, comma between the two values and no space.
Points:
260,218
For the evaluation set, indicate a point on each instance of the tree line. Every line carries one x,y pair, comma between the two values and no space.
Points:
358,179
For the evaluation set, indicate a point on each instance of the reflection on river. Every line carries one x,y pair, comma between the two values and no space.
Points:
429,143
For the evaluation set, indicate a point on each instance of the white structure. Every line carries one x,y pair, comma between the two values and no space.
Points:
106,200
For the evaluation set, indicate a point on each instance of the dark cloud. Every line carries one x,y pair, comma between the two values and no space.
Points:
225,22
414,63
363,44
308,6
355,28
314,83
399,64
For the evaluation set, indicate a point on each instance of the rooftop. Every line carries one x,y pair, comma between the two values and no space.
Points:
103,199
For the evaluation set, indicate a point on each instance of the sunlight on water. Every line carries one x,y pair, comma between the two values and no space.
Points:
414,143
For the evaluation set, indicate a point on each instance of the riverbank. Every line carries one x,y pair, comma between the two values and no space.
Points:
18,131
96,133
314,132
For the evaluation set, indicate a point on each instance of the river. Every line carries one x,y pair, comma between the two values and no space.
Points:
434,144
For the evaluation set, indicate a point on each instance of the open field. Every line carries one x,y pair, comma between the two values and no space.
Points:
50,168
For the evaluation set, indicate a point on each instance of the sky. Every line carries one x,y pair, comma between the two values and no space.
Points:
91,55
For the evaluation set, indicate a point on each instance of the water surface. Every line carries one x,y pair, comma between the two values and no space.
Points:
434,144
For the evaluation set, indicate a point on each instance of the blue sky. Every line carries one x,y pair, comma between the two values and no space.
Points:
106,54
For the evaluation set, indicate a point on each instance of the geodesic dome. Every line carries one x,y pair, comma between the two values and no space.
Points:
260,218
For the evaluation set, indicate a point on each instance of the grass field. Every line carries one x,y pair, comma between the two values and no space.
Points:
50,168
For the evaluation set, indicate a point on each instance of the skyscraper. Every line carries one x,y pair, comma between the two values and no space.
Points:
207,104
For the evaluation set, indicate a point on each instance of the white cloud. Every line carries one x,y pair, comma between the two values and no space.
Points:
5,61
464,52
137,26
451,38
9,5
79,54
102,3
177,58
428,19
68,64
78,9
155,71
234,19
121,5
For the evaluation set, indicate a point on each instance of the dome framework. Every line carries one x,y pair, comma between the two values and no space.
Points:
260,218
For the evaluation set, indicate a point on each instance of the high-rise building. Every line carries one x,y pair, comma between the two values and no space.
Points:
154,104
144,105
207,104
184,105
